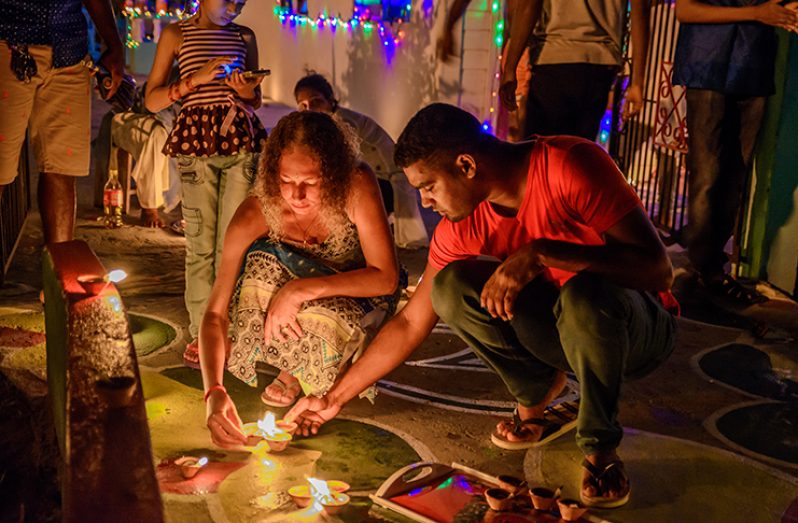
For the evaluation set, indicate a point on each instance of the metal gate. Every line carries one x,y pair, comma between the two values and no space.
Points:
13,211
651,148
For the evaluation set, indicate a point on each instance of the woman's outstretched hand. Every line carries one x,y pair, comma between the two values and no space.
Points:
281,323
223,421
311,412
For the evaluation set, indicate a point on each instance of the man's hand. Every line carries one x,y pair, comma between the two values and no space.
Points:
113,60
632,102
444,47
500,291
311,412
507,88
223,421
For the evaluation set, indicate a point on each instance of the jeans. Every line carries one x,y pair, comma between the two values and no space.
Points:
213,188
722,132
568,99
601,332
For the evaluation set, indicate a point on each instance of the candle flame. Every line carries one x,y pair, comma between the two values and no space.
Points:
202,461
268,427
116,275
320,492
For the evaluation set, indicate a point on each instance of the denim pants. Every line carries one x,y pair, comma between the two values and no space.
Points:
213,188
601,332
722,133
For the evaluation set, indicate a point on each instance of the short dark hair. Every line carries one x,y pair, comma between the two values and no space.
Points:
319,84
437,134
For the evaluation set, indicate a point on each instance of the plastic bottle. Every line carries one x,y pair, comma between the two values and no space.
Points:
112,200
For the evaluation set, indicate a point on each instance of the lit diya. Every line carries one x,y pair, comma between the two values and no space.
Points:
190,466
277,436
326,495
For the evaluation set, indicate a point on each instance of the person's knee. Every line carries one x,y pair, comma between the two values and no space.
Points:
588,298
450,289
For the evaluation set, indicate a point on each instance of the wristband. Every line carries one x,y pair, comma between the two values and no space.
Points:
215,387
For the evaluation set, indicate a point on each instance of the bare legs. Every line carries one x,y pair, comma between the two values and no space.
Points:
57,205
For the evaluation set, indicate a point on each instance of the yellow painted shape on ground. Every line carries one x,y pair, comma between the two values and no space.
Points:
31,361
256,492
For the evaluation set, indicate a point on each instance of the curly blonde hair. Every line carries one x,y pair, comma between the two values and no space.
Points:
330,142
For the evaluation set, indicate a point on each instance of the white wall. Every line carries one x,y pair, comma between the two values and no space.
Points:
366,79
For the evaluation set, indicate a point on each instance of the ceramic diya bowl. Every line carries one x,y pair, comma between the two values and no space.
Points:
542,498
498,498
301,493
512,484
277,443
287,426
335,505
189,466
571,509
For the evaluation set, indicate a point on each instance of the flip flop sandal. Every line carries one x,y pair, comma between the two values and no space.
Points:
602,480
191,349
285,391
733,290
556,421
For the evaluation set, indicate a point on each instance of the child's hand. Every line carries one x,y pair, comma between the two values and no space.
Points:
245,87
212,70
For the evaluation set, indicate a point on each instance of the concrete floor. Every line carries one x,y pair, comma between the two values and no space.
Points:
705,442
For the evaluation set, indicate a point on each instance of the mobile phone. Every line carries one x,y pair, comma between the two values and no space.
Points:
256,72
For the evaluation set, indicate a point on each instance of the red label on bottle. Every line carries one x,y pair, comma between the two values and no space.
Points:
112,198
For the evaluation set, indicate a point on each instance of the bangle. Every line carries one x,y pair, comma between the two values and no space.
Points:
215,387
190,85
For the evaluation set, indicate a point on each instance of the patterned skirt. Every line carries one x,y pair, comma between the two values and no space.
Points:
197,132
335,330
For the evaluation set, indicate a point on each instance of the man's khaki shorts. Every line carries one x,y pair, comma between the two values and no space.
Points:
56,108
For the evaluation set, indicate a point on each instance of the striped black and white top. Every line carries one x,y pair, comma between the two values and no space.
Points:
197,129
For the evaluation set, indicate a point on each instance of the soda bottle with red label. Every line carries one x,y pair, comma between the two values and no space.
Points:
112,200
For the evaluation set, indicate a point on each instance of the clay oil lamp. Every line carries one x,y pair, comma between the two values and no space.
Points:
95,284
498,498
190,466
571,509
544,498
323,495
267,429
516,486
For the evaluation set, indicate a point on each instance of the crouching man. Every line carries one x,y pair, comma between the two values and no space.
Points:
581,283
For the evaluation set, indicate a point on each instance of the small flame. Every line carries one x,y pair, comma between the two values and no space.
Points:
116,275
268,427
202,461
321,492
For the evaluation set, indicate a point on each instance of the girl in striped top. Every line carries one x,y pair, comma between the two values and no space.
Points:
215,137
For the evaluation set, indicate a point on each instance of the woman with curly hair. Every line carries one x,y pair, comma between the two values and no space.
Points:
308,271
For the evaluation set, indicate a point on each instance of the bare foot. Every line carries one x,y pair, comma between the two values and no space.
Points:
151,218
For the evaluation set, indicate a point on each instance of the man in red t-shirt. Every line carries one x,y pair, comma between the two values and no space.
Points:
571,276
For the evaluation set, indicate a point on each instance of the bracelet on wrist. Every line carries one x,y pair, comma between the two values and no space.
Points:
215,387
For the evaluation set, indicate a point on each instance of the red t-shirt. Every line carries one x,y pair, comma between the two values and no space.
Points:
574,192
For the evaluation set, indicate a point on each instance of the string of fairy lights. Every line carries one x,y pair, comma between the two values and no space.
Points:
363,19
